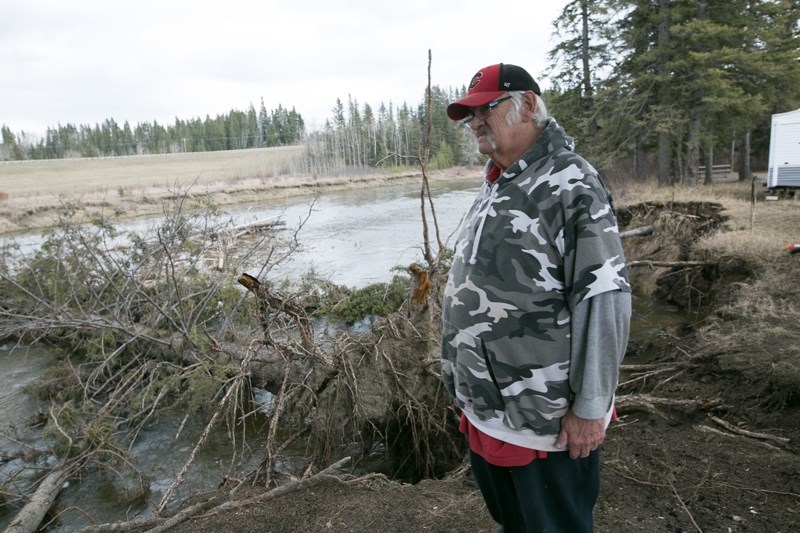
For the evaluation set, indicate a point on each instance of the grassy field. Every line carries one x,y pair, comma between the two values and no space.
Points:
56,176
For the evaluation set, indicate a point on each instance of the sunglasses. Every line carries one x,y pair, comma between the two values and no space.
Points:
482,112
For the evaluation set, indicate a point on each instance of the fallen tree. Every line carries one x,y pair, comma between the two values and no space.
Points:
146,328
149,329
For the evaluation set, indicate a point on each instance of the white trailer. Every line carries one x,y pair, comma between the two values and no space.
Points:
783,173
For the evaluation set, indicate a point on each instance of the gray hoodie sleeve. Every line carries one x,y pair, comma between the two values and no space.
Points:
600,328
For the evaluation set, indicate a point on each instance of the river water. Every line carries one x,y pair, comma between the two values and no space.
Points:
357,237
353,238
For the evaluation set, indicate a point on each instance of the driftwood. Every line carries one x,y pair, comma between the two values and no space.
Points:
257,226
668,263
644,230
30,517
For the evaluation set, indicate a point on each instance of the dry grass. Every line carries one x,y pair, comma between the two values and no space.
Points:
56,176
757,234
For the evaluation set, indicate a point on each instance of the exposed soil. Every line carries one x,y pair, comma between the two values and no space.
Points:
707,439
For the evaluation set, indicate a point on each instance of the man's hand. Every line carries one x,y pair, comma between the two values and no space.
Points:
579,435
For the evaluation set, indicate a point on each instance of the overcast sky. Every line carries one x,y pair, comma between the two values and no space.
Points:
83,61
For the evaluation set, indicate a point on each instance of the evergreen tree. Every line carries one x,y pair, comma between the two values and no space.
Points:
263,121
252,128
10,150
585,52
689,77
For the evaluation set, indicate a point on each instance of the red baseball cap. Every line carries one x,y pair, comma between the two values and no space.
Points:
489,84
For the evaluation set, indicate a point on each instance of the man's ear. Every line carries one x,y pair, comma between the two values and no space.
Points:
528,106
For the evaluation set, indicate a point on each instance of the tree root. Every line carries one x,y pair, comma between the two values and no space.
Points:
735,432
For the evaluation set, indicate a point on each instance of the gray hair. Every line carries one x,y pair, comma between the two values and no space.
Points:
540,114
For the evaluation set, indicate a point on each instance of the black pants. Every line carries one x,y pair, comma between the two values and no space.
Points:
552,495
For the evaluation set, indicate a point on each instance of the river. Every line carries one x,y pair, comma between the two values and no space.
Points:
357,237
353,238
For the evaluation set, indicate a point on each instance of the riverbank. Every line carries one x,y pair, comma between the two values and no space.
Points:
37,211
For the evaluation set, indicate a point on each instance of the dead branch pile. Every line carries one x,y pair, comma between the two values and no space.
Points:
150,326
146,327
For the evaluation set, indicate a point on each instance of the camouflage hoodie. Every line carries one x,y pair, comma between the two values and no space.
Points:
535,243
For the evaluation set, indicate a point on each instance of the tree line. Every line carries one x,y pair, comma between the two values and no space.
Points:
354,137
230,131
647,87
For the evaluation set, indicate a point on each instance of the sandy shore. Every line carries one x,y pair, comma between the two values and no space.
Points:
34,212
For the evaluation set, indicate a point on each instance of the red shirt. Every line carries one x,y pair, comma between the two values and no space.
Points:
493,174
497,452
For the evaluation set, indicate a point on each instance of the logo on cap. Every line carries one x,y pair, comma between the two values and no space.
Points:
475,79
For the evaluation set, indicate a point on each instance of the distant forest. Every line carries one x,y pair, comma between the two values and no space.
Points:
648,88
231,131
355,136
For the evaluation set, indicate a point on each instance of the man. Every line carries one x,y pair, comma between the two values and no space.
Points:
536,312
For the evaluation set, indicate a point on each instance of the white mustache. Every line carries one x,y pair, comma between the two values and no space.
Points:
486,132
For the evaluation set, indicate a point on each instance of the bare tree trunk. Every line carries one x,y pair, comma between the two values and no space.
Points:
588,88
745,172
664,159
639,159
694,149
680,172
709,177
664,145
